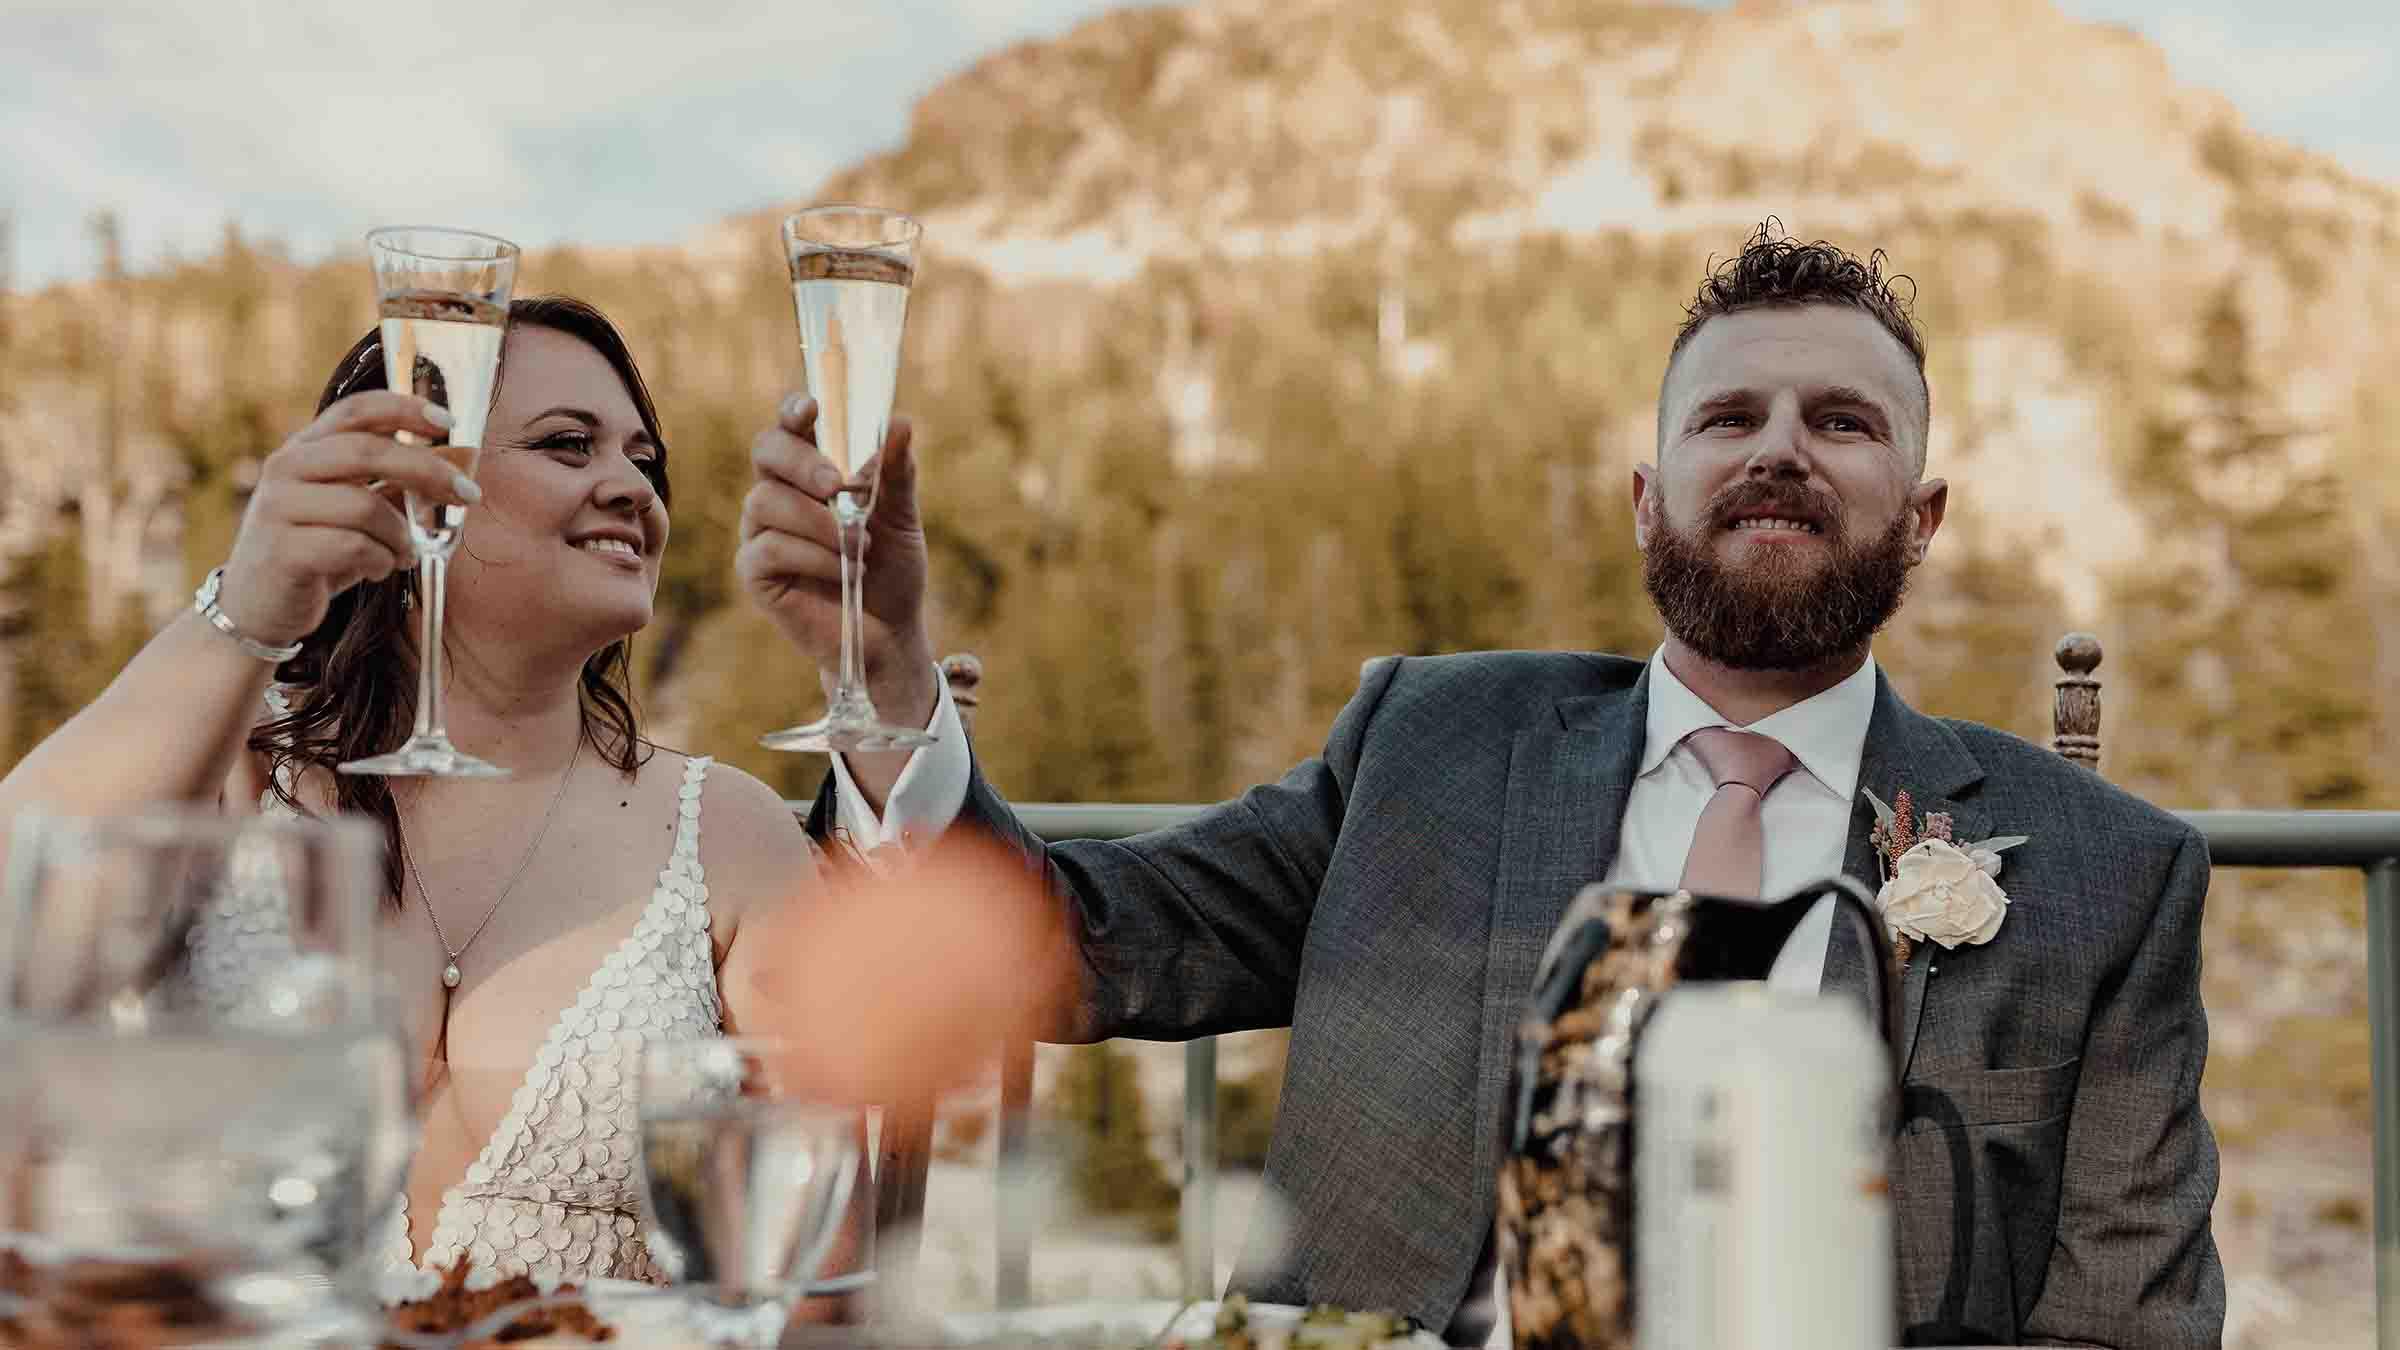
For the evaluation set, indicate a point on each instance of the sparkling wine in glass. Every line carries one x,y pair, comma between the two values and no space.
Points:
852,268
748,1179
443,297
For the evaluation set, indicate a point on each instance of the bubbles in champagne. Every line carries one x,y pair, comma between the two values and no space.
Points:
852,306
445,347
851,264
446,307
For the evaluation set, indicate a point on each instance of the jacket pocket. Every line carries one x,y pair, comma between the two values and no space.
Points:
1957,1101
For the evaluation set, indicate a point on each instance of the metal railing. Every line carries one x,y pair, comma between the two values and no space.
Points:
2368,841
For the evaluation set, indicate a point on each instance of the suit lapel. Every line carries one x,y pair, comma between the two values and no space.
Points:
1567,785
1904,749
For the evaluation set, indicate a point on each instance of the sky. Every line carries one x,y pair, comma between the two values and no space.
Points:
553,121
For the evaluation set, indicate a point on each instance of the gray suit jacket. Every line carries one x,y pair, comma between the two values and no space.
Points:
1388,901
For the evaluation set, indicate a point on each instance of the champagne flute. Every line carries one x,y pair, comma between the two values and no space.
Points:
443,296
852,268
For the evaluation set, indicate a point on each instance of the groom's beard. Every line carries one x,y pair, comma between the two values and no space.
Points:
1772,616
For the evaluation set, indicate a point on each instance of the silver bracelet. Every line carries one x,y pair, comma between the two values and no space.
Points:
204,601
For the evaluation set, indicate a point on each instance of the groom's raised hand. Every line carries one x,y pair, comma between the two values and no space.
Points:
789,560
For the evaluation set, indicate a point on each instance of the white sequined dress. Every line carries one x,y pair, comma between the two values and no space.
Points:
555,1193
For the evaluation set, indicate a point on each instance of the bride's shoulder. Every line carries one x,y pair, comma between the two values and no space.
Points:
751,843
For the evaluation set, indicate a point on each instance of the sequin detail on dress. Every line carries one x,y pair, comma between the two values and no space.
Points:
555,1194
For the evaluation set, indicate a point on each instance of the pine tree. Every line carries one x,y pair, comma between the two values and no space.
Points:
1097,1101
2246,680
59,660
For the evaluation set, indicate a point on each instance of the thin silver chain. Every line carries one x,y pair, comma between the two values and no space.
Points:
527,861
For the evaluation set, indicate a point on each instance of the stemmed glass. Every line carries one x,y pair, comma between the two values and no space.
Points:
206,1103
443,296
748,1178
852,268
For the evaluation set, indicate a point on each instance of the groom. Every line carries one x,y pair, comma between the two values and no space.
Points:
1388,900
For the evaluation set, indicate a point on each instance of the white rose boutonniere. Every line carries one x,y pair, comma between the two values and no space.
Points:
1936,889
1940,893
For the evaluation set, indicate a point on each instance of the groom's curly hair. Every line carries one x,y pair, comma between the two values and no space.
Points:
1775,271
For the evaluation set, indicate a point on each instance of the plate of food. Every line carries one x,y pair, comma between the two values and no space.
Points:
1234,1324
523,1311
516,1311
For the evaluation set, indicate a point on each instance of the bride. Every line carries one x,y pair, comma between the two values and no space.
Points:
543,926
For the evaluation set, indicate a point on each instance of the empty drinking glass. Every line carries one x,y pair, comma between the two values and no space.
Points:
748,1179
206,1106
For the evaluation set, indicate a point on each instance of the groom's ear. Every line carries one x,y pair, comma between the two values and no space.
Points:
1928,503
1645,504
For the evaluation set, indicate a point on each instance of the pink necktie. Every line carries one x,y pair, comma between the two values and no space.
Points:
1728,851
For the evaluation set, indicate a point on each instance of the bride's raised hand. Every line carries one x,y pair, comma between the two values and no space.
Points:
322,518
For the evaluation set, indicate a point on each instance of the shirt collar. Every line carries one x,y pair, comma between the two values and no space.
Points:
1827,732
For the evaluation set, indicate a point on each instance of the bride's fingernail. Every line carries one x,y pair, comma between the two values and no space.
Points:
468,490
439,415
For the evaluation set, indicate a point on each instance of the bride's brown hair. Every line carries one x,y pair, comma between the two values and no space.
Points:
352,689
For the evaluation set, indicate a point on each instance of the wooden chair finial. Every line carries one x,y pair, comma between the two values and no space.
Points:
964,673
2075,709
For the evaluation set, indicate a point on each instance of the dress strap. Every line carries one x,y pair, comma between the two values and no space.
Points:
687,806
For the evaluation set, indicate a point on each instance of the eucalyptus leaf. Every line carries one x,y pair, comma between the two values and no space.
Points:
2000,843
1883,813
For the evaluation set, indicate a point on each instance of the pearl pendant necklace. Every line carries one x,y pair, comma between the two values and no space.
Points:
450,972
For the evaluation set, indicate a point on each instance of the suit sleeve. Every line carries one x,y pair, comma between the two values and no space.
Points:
2134,1263
1197,929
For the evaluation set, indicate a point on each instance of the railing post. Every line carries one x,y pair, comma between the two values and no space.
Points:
2075,704
1198,1225
2383,1019
1012,1214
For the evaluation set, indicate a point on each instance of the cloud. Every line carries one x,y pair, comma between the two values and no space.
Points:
2320,73
541,121
647,120
2264,70
2371,158
2334,88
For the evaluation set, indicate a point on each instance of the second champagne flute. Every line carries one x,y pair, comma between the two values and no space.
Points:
852,268
444,302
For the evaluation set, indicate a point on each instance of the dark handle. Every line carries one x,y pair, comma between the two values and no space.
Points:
1855,904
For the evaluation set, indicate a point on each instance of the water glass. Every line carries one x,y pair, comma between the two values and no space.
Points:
748,1177
204,1104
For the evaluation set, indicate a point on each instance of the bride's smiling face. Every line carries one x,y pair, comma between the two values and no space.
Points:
567,540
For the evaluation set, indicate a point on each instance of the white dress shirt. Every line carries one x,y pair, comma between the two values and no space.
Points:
1805,818
931,788
1805,821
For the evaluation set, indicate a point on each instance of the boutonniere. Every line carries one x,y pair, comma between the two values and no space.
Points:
1934,887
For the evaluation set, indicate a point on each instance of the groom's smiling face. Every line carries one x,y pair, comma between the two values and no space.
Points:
1788,504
